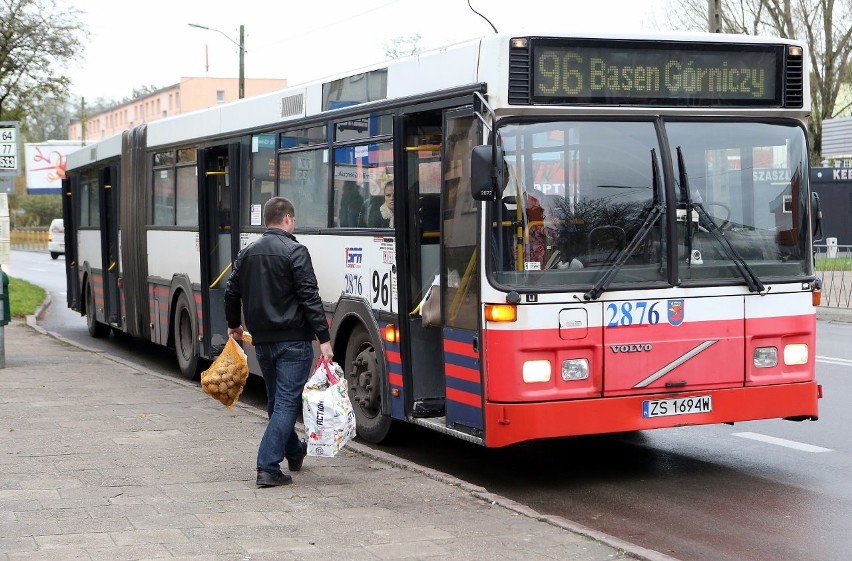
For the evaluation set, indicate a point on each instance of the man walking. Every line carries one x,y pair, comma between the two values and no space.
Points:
273,285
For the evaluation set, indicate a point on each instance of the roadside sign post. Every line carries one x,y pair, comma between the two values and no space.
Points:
5,313
10,168
5,244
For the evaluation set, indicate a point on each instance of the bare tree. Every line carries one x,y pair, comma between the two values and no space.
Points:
399,47
38,39
50,122
824,25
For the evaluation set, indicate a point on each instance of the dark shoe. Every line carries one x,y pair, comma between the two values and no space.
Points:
267,479
295,464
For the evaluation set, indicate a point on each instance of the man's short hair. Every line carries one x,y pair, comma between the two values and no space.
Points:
276,209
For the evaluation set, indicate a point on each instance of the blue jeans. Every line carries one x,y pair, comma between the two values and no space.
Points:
286,366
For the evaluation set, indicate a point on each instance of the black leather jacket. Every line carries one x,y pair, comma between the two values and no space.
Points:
273,279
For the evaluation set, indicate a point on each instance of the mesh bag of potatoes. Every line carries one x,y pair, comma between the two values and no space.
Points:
226,377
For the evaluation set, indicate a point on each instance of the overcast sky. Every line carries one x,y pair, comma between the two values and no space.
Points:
149,43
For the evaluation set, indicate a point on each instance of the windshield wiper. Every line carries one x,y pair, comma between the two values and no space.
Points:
653,214
746,272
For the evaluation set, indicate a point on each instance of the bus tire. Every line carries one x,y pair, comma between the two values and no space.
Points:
364,379
186,338
96,329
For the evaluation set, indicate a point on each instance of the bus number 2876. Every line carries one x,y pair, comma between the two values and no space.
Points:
632,313
353,284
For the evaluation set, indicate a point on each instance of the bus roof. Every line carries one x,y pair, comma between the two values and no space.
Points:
442,68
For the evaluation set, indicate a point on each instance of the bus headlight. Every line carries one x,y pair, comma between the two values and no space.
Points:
536,371
575,369
765,357
795,354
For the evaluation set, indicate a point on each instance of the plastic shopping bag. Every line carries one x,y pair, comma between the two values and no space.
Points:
327,411
226,377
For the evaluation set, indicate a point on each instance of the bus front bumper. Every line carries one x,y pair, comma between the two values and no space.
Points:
512,423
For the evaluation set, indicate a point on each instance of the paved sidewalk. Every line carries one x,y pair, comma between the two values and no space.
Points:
101,460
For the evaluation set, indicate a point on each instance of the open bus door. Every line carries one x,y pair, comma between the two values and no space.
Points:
440,240
218,180
70,196
108,183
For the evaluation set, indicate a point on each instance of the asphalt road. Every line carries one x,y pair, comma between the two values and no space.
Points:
759,491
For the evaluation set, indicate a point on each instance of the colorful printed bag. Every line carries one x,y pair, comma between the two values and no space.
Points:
327,411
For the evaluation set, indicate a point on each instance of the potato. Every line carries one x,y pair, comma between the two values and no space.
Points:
226,377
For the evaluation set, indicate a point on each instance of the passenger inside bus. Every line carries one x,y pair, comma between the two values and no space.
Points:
544,233
351,202
377,211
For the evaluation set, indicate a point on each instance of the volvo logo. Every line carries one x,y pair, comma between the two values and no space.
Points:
641,347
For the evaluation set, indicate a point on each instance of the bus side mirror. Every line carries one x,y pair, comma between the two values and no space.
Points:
816,213
486,177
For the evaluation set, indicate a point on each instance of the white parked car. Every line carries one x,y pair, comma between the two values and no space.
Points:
56,238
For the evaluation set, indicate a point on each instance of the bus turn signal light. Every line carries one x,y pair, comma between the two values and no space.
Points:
816,297
501,312
391,333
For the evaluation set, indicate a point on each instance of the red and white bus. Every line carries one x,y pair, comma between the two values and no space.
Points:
587,234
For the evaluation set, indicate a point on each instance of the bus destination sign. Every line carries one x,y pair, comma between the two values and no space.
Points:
655,74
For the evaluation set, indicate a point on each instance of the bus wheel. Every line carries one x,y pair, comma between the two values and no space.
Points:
365,387
96,329
186,340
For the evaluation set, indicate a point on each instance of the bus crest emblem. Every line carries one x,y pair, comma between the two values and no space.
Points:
675,309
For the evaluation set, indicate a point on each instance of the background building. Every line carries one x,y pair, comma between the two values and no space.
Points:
190,94
834,186
837,138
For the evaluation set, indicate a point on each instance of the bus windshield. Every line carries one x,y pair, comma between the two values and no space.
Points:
577,193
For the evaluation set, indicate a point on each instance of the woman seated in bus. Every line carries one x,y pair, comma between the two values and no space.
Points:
378,211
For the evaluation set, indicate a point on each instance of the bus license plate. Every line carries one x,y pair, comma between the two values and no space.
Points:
680,406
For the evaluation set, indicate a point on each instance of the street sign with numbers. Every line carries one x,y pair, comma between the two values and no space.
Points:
9,149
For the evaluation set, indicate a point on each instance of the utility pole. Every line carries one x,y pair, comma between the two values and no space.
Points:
242,62
241,45
714,16
83,120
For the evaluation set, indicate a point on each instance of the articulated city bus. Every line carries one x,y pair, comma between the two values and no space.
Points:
516,238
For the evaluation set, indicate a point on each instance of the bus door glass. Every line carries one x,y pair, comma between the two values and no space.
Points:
421,258
215,239
109,242
70,217
459,276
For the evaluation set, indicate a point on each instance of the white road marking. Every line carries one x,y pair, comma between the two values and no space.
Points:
783,442
833,360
